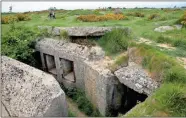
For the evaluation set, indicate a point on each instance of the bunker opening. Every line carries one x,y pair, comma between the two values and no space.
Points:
50,64
127,99
67,70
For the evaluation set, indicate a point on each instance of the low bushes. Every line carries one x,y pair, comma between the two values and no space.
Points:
23,17
18,43
97,18
136,14
14,18
153,16
115,41
8,19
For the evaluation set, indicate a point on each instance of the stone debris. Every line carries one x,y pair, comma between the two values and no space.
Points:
29,92
137,79
168,28
96,53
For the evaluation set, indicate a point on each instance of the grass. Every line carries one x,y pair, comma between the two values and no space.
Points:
71,114
169,99
79,97
115,41
119,62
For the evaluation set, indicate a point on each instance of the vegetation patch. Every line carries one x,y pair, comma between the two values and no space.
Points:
64,35
19,44
135,14
97,18
169,99
115,41
153,16
120,61
14,18
71,114
79,97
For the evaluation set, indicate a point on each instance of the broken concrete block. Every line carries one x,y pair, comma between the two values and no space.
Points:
137,79
29,92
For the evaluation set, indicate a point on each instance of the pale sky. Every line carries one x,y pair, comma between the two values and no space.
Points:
36,6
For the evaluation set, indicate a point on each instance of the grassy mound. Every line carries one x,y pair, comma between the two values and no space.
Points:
115,41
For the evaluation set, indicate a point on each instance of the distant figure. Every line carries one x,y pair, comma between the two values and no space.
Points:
10,9
52,14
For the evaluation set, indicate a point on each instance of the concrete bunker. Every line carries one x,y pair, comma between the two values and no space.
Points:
85,68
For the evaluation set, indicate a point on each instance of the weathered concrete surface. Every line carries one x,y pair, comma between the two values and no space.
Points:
101,87
29,92
167,28
137,79
96,53
77,31
68,51
4,111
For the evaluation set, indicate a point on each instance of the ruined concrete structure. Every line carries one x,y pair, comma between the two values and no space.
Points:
29,92
78,66
77,31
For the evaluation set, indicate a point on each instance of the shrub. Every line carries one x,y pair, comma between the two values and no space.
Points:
64,34
136,14
115,41
8,19
153,16
14,18
97,18
23,17
17,44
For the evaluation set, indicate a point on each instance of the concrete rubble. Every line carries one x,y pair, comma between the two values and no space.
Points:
29,92
136,78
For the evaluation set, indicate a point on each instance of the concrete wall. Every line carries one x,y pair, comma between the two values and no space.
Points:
29,92
100,87
99,84
64,52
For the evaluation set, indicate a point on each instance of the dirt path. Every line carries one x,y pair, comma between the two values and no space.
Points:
182,61
149,42
74,108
